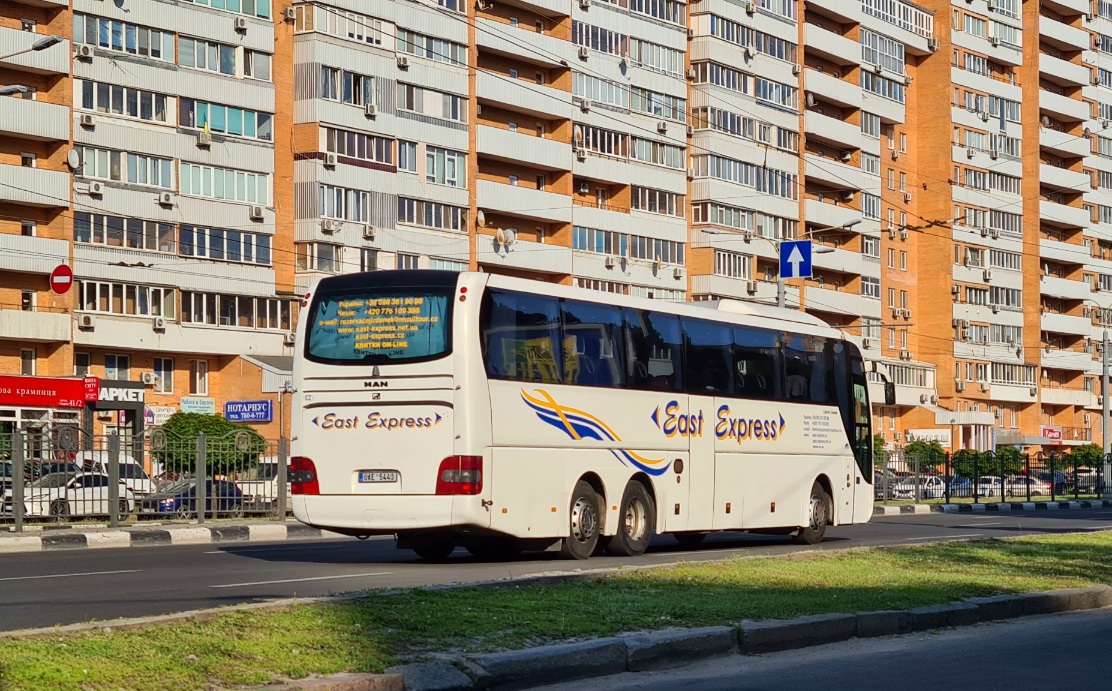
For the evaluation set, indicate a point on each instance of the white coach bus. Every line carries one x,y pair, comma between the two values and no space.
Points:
501,414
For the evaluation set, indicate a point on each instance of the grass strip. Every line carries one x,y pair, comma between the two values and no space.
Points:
371,633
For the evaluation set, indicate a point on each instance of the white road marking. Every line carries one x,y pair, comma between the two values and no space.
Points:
302,580
975,525
68,575
945,537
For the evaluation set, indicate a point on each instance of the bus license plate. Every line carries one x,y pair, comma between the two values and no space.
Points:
378,476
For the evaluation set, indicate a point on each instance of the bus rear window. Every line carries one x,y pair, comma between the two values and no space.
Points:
380,325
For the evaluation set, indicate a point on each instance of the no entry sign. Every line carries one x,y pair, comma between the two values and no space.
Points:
61,279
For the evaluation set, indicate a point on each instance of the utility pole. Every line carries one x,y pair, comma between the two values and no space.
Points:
1104,420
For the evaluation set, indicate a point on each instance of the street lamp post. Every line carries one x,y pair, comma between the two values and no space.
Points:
781,284
41,44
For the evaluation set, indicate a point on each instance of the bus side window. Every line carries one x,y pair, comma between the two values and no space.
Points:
522,337
656,351
593,351
756,374
708,357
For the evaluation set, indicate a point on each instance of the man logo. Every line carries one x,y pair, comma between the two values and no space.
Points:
375,384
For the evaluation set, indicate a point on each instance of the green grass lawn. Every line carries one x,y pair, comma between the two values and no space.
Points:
370,633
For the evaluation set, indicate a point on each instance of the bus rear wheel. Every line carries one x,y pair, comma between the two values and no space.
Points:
584,522
818,517
635,523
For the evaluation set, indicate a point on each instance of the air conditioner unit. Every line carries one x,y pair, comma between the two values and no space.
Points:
403,62
995,308
484,5
86,321
690,34
991,5
987,275
580,154
970,152
993,154
994,233
291,14
750,7
955,289
903,234
150,378
585,105
289,338
166,198
690,173
895,154
751,287
995,41
662,127
690,130
845,156
584,4
368,232
691,74
257,213
329,225
984,231
87,120
959,385
240,23
83,51
967,334
96,189
932,44
330,160
204,139
964,323
907,80
1034,391
583,52
907,314
611,262
905,354
158,323
891,233
923,398
895,436
866,342
877,68
896,312
984,386
677,273
370,110
796,68
985,115
907,197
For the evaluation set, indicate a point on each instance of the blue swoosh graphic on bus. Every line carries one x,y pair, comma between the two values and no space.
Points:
579,424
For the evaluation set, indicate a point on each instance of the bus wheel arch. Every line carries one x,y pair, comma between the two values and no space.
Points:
818,513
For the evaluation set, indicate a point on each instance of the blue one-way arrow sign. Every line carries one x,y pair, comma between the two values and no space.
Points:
795,259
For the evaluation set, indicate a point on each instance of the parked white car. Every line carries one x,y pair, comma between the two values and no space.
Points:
131,473
259,486
930,487
61,495
1016,486
989,486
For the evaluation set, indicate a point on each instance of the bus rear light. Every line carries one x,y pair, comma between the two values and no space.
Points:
303,476
460,475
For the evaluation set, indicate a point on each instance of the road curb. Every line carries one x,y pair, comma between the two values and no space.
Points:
900,509
520,669
148,536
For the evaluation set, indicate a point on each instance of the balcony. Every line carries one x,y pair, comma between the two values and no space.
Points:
525,256
1063,107
1067,359
1066,397
49,4
109,331
1062,36
834,47
1063,72
833,131
521,96
1063,179
504,145
1064,252
840,301
39,326
27,119
842,261
34,186
832,89
31,254
1014,393
833,173
528,45
1068,8
523,202
828,215
1064,288
52,60
1063,144
1066,324
548,8
1062,216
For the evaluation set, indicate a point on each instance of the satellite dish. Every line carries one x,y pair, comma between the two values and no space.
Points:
500,237
481,218
73,158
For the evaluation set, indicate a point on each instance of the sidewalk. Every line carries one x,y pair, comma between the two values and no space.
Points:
897,509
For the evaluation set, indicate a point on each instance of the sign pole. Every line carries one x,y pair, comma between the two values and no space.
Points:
1104,421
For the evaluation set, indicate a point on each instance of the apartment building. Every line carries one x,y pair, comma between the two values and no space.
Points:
200,163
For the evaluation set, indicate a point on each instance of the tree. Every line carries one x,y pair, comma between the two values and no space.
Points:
1008,459
970,463
228,446
929,454
880,447
1086,456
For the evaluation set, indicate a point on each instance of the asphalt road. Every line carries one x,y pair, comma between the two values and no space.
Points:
1057,651
48,588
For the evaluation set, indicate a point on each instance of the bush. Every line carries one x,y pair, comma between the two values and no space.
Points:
1086,456
227,447
930,454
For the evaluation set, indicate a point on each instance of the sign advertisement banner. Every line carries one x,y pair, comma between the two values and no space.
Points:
155,415
249,411
92,389
42,392
203,405
942,436
1051,434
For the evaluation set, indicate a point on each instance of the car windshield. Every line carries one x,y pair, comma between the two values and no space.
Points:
264,471
51,481
132,471
180,486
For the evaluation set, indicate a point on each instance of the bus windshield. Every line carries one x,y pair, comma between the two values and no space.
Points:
370,324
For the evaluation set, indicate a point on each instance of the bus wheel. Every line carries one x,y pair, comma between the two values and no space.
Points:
818,513
635,523
584,523
434,549
689,539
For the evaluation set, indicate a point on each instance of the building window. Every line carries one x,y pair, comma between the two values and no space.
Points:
224,183
368,259
27,300
447,264
126,298
27,25
891,258
407,156
164,370
198,377
407,261
903,260
82,364
27,160
27,362
117,367
318,256
27,229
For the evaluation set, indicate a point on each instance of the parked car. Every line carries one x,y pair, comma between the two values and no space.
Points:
62,495
1018,485
33,470
1086,479
989,486
180,499
131,473
1062,484
259,485
930,487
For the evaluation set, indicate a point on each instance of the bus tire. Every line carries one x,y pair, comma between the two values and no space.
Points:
584,522
635,523
818,516
689,538
434,550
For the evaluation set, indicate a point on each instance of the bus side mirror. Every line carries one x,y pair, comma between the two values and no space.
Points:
889,393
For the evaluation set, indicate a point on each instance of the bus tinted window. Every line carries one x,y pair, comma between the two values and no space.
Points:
809,369
709,357
655,351
756,373
368,325
594,333
521,335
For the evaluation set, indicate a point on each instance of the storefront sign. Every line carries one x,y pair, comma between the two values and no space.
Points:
42,392
203,405
92,389
1051,434
155,415
249,411
118,394
942,436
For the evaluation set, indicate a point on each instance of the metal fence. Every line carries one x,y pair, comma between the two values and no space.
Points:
63,475
985,476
